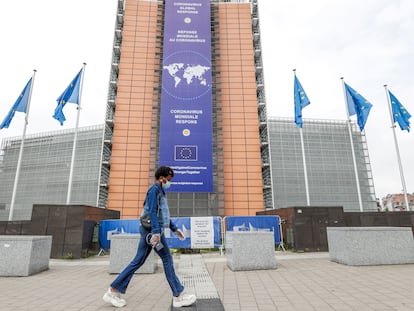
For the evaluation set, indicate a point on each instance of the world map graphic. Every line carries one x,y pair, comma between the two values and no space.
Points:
188,72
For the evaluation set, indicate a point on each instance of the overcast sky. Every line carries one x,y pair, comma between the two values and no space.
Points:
370,43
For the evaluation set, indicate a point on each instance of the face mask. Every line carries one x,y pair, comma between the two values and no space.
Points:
166,185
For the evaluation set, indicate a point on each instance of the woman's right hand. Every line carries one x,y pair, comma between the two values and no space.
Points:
155,238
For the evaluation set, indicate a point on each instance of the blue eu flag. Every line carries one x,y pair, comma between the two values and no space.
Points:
357,105
20,105
69,95
301,101
399,113
186,153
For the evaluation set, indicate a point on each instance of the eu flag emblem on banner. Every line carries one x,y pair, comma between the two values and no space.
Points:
301,101
69,95
20,105
357,105
185,153
399,113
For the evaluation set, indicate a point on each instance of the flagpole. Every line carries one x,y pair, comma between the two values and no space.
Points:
352,148
397,149
305,170
19,161
75,138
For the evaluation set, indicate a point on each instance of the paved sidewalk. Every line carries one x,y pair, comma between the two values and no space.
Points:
302,281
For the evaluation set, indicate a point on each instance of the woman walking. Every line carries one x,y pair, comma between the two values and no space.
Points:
156,206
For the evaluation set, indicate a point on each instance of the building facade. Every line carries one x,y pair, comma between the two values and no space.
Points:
45,168
241,181
256,162
329,164
46,162
396,202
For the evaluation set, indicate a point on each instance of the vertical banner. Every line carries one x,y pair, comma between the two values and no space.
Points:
186,131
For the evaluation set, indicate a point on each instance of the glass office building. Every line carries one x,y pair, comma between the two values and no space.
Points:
46,162
255,163
329,164
45,169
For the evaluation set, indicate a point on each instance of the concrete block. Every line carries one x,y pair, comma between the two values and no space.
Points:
359,246
250,250
123,250
24,255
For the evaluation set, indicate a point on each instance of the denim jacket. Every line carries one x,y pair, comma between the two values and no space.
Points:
160,218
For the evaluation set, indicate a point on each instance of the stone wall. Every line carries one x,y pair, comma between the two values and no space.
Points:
71,226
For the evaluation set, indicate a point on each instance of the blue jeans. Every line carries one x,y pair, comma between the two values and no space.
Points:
144,249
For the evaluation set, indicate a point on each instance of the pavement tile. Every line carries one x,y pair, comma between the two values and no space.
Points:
301,281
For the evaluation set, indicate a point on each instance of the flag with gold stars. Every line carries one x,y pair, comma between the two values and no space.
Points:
69,95
20,105
399,113
301,101
358,105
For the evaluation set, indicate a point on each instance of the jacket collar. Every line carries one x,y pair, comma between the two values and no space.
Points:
156,184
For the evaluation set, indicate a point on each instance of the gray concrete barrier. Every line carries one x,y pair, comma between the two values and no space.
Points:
123,250
24,255
250,250
358,246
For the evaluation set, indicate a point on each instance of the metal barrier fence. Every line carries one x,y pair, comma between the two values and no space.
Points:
199,232
254,223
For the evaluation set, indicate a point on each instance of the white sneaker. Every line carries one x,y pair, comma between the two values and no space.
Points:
184,300
114,298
